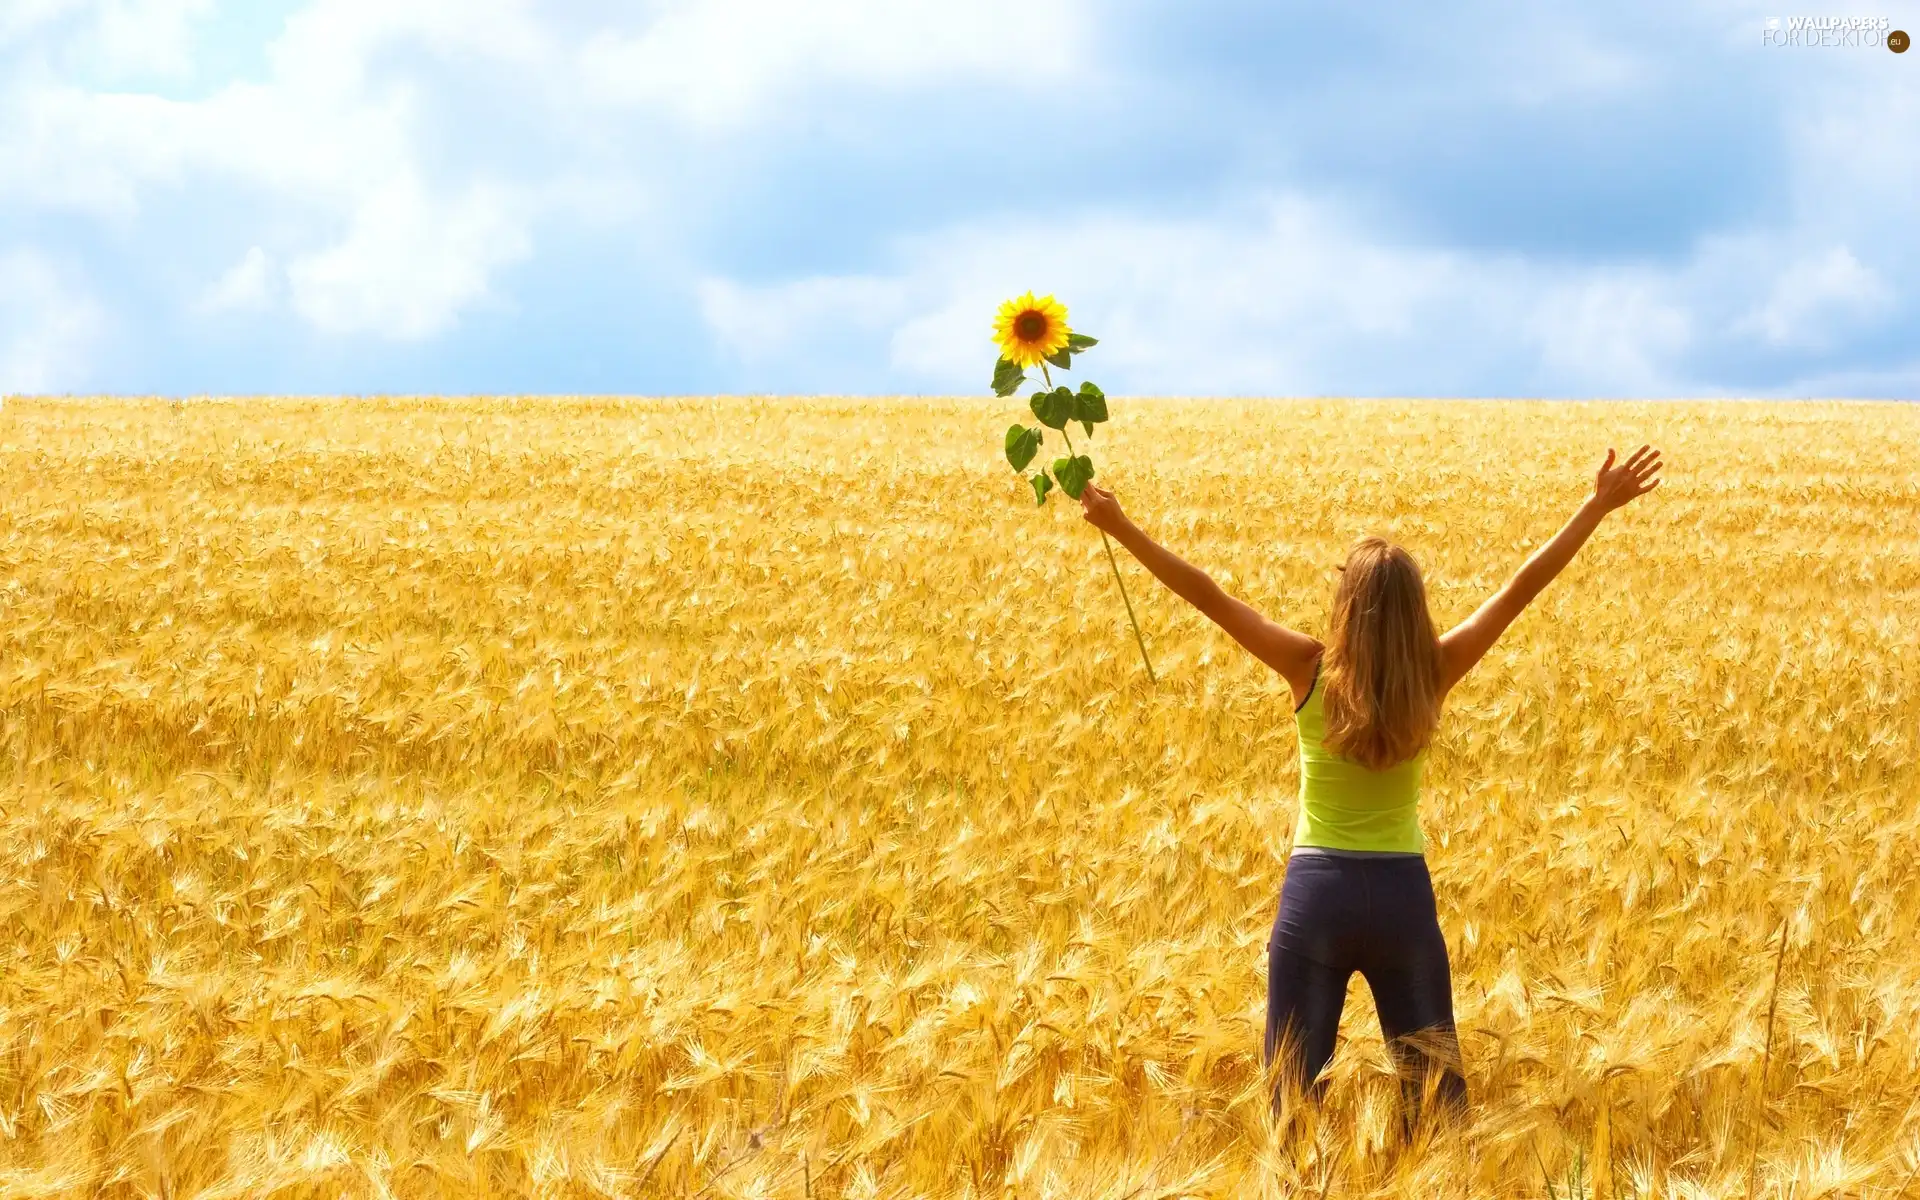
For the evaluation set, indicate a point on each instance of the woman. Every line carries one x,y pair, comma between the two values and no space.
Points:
1357,895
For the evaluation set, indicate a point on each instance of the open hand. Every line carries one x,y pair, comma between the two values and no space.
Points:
1101,510
1614,486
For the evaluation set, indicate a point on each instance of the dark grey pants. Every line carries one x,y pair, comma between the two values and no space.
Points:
1375,916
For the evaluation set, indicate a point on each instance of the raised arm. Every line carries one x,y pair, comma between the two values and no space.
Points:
1287,651
1466,643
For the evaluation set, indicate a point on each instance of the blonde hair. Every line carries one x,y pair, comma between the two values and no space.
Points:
1381,669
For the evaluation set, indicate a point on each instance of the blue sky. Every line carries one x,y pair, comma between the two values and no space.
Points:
448,196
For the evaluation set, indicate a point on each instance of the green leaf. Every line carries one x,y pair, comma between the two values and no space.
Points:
1063,398
1007,378
1041,486
1090,406
1076,342
1054,408
1074,474
1022,444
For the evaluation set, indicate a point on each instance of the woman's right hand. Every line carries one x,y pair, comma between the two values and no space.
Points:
1101,510
1614,485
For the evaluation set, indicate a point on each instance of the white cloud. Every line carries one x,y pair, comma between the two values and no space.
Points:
100,152
1896,381
19,18
327,147
248,286
1618,331
1299,297
335,137
1548,54
1852,172
410,263
112,39
772,323
1292,296
1817,298
328,47
148,37
362,216
721,61
48,325
1289,297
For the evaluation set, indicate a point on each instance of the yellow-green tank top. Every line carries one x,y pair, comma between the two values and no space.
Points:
1345,806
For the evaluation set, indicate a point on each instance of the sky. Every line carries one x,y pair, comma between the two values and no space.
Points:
1238,197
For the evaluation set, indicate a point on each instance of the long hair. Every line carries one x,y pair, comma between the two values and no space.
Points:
1382,666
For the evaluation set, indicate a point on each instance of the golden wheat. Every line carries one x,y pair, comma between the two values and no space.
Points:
760,798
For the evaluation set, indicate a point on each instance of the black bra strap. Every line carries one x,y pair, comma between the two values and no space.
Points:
1311,686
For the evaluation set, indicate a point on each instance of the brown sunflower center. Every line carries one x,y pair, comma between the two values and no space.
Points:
1030,326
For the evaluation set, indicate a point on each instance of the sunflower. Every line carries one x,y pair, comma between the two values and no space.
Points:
1027,330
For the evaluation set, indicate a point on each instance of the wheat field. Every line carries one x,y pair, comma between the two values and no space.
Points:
754,797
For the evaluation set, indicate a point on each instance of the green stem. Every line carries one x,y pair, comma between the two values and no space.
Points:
1131,619
1124,599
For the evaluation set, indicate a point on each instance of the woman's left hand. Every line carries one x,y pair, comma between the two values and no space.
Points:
1101,510
1615,486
